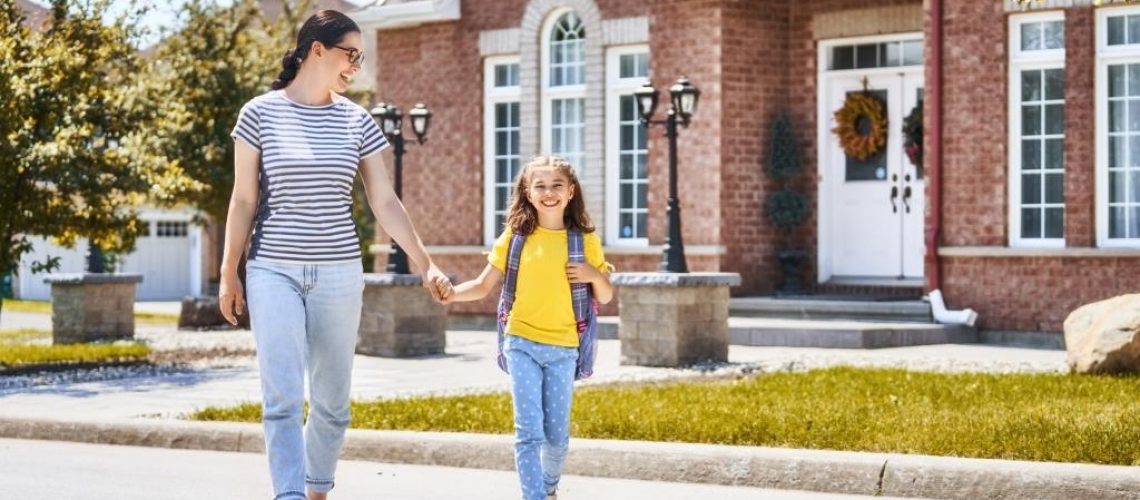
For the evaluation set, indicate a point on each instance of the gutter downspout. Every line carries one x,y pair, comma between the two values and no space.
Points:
934,153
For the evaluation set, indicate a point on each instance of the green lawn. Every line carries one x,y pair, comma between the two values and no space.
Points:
23,335
24,356
1044,417
44,307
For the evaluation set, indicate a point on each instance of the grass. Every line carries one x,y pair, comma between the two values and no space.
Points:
1042,417
23,335
44,307
22,356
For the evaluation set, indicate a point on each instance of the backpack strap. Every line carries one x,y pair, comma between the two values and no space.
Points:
585,311
507,296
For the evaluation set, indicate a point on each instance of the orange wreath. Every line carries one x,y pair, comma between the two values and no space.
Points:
860,106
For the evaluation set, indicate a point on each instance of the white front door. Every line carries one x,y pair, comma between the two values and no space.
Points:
875,206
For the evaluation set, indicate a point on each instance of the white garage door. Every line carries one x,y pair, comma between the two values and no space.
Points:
163,255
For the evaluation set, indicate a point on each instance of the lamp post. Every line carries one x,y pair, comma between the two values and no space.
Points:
391,122
683,98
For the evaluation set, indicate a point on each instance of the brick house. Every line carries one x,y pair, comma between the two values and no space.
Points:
1026,204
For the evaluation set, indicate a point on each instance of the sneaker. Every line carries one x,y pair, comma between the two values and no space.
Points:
552,496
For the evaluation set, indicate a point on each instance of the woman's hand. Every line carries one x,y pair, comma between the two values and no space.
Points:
438,284
231,297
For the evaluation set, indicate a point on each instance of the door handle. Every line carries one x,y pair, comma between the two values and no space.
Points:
906,196
894,194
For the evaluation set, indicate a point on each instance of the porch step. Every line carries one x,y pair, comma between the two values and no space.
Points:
831,308
840,334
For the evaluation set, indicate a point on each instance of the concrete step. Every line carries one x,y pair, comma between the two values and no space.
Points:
830,309
839,334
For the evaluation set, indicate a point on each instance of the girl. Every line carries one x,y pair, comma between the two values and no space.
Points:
297,151
541,347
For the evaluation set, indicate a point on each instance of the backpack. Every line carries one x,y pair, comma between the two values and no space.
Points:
585,307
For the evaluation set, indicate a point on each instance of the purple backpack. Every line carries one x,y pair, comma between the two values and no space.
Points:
585,308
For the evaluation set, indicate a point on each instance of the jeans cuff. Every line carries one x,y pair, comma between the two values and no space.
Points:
291,495
320,485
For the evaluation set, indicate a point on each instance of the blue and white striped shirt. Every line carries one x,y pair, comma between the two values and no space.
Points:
309,159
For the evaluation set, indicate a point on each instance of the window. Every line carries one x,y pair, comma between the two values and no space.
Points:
564,88
876,55
627,178
501,140
1037,130
1118,127
171,229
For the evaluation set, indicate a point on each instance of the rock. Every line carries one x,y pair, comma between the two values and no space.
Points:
199,313
1104,337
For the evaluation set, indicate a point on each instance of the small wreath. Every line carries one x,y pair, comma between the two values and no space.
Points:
912,135
858,107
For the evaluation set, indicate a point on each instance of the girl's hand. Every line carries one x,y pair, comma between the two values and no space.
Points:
580,272
231,297
438,284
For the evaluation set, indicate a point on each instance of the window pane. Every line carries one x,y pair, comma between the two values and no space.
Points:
892,53
1134,222
626,225
1116,222
1133,30
1031,120
1055,118
1134,116
1134,79
1117,184
1116,80
1054,84
1030,154
1116,30
843,57
503,197
1030,189
626,196
642,225
1134,186
1031,223
502,171
628,108
912,52
642,166
1116,111
1054,35
642,195
502,115
1054,223
1055,154
1031,36
501,139
1054,188
1133,151
1030,85
627,137
515,142
866,56
626,171
1116,152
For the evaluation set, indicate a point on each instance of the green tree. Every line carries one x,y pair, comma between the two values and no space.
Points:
74,134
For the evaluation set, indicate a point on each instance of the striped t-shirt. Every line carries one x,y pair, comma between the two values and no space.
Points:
309,159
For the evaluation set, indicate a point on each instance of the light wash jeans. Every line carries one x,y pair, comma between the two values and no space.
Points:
304,316
542,388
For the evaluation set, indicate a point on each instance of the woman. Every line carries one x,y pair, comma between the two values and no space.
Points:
298,149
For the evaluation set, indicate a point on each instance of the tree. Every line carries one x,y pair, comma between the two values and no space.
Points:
74,131
786,208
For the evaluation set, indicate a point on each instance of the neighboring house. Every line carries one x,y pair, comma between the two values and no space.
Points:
1027,207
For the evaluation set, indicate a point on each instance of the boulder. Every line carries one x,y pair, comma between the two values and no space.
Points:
1104,337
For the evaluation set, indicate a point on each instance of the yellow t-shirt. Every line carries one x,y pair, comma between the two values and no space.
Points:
543,310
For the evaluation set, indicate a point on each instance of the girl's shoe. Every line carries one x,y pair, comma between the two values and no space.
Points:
552,496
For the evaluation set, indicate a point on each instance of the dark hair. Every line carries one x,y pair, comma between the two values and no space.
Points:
327,27
522,217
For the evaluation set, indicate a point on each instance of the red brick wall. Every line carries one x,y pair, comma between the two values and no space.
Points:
1080,129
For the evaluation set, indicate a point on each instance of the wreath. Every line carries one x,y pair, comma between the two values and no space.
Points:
860,111
912,135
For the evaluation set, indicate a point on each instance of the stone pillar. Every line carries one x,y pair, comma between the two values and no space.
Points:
673,319
400,318
92,307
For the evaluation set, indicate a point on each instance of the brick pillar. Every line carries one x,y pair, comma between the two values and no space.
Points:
92,307
400,318
673,319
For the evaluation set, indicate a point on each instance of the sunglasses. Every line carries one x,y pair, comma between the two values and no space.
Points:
355,56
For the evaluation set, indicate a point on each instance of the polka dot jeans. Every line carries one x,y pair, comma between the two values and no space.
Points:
542,386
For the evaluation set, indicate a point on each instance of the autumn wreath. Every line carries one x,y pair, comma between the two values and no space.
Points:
912,135
862,125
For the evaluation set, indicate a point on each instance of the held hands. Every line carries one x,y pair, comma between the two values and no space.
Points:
580,272
439,285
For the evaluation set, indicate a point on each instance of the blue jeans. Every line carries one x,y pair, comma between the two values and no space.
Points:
542,388
304,316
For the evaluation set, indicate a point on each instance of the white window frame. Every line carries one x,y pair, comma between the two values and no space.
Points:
1020,61
1108,55
616,88
549,94
493,95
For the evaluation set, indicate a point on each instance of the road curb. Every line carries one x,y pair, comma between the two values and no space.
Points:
815,470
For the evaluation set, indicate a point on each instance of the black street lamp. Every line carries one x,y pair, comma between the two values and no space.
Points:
683,99
391,120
